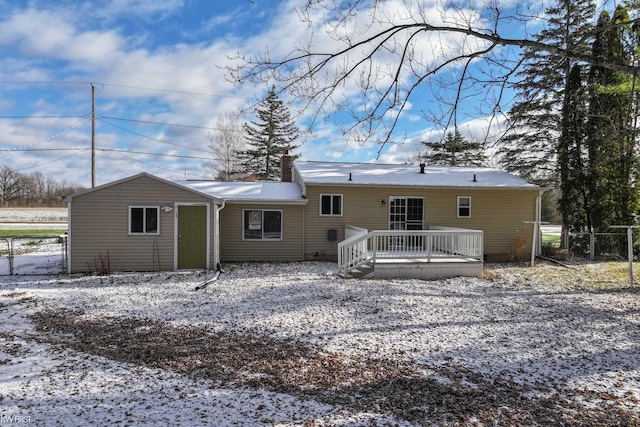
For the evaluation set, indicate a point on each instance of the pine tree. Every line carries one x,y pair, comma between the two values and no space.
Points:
455,150
530,148
610,141
571,155
268,138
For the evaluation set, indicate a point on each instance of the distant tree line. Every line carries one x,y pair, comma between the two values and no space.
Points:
32,190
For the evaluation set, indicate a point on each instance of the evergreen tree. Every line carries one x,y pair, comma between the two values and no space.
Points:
610,141
530,148
455,150
571,155
268,138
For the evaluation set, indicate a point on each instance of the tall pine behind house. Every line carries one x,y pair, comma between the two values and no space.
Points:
268,137
574,123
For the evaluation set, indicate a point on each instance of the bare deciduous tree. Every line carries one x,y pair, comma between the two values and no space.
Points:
226,141
32,190
374,58
12,185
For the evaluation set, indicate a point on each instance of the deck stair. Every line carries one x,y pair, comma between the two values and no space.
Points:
364,270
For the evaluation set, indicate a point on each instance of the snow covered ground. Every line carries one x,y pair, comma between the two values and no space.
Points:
33,215
295,345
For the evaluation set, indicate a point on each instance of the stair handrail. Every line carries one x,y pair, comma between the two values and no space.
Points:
354,249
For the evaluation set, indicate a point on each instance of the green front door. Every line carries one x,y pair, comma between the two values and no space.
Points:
192,237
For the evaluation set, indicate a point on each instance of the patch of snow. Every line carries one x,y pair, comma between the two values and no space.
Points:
248,191
543,340
407,175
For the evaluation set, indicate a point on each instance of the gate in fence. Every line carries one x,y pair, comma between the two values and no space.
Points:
33,255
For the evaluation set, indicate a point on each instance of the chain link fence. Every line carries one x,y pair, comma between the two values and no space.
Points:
596,246
33,255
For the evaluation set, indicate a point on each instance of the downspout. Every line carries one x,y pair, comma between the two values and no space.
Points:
537,224
216,234
539,219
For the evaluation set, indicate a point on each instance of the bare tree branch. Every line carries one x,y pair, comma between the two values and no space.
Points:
374,70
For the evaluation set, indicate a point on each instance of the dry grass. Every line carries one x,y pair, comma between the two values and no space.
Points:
587,275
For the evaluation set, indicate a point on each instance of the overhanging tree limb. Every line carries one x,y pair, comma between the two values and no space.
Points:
384,66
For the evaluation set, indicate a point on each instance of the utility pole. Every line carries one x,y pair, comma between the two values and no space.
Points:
93,136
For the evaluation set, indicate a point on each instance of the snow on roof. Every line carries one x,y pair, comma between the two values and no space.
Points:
248,191
407,175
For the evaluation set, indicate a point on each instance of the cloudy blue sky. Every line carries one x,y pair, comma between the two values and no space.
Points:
160,83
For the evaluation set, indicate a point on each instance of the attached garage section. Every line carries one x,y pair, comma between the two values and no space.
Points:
131,224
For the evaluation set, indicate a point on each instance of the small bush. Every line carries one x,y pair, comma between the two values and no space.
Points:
520,250
101,265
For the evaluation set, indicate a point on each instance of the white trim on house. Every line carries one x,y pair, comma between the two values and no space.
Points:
406,206
331,204
458,206
262,225
144,220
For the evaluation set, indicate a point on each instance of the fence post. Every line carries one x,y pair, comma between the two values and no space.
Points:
630,254
10,256
629,247
592,245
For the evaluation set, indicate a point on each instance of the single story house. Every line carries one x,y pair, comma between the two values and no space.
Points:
147,223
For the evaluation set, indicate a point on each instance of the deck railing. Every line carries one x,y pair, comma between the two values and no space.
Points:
428,245
353,250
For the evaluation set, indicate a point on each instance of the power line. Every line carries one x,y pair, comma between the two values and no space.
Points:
116,150
172,91
152,138
145,163
42,117
49,162
43,149
184,92
156,123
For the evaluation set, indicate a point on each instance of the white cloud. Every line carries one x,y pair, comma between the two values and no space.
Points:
47,35
170,82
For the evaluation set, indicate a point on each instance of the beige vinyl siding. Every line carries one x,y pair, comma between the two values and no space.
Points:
360,207
234,248
499,213
100,226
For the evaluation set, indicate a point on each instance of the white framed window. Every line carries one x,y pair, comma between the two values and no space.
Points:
464,207
331,204
144,220
261,224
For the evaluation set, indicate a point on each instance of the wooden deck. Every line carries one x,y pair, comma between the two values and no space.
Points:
424,254
423,268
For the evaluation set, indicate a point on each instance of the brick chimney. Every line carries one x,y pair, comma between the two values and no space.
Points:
285,167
